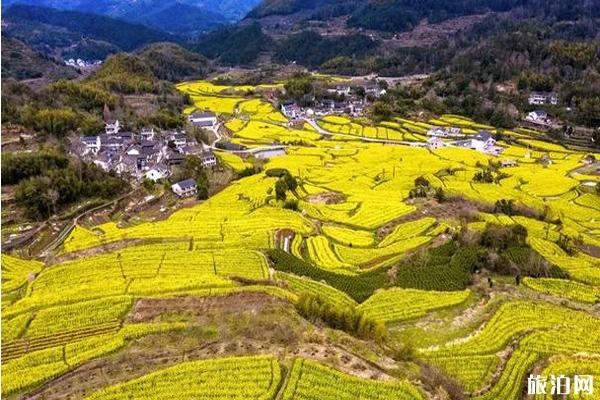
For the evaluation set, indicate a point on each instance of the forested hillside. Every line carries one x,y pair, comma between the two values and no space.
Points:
19,61
52,30
193,16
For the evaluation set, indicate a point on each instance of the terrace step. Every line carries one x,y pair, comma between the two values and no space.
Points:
16,348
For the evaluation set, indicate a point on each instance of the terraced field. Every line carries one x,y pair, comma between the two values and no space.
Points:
354,225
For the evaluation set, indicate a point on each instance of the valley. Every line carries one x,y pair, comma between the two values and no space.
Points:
219,273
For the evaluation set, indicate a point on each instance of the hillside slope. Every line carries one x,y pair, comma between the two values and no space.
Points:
20,61
53,30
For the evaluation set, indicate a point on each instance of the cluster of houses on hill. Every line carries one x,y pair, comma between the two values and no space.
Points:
482,142
345,99
147,154
539,116
82,64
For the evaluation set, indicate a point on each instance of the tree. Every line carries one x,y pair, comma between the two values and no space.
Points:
56,122
290,182
382,111
280,190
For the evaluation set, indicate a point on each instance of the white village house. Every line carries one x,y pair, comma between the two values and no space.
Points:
112,127
435,143
541,98
537,116
482,142
178,139
147,134
184,188
157,173
92,144
290,109
341,90
204,119
208,159
445,132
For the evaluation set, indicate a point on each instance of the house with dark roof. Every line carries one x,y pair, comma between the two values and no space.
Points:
175,159
147,133
185,188
157,172
290,109
541,98
204,119
208,159
92,144
482,142
537,116
179,139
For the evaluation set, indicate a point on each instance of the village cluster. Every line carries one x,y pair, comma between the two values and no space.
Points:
82,64
348,100
152,155
540,117
148,154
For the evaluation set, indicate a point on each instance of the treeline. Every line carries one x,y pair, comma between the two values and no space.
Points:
65,26
234,45
311,49
19,166
359,287
48,181
402,15
315,308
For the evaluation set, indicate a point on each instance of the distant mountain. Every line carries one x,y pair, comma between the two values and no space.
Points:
20,61
177,18
286,7
76,34
404,15
182,17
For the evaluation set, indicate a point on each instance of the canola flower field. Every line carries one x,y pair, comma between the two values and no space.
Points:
60,315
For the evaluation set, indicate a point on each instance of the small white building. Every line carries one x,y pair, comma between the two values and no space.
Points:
375,91
179,139
112,127
185,188
435,143
482,142
92,144
451,131
208,159
537,116
541,98
204,119
341,90
290,109
147,134
157,173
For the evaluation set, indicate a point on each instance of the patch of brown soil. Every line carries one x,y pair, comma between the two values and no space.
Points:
105,248
147,310
593,251
456,207
326,198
